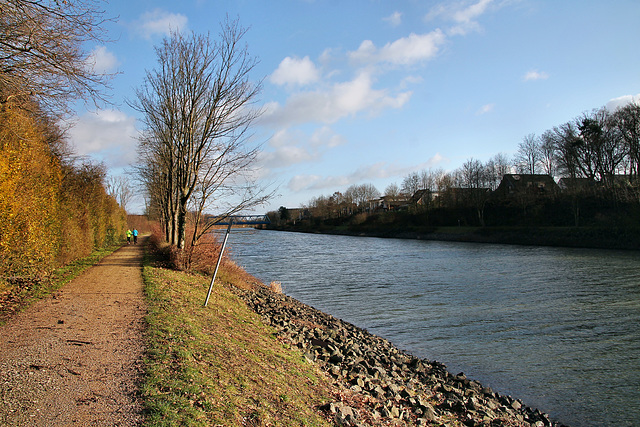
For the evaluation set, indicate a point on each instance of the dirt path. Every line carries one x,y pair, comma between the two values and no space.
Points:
75,357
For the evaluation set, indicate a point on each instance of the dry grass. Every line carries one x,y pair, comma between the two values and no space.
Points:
220,365
276,287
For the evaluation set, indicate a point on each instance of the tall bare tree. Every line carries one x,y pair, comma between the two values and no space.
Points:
361,194
474,177
198,108
411,183
627,122
42,52
393,191
565,139
527,158
548,153
600,146
496,168
119,187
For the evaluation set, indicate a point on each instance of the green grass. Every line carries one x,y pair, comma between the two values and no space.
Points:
220,365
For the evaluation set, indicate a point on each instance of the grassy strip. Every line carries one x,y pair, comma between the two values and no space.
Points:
14,298
219,365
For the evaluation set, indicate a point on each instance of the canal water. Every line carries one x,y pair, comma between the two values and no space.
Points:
558,328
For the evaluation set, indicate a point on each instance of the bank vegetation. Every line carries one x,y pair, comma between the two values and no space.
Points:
54,207
582,174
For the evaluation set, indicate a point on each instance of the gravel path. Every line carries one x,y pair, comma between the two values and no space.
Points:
75,358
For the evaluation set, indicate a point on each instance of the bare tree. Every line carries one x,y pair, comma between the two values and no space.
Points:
627,122
599,146
411,183
393,191
496,168
119,187
197,108
528,157
362,194
42,54
473,176
566,141
548,154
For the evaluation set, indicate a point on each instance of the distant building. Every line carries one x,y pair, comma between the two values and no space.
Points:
421,197
527,184
391,203
577,185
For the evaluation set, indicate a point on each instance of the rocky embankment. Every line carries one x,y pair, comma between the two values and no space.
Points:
382,385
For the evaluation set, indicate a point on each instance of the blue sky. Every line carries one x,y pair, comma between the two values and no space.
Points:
367,91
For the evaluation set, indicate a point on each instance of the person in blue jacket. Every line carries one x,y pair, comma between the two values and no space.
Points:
135,236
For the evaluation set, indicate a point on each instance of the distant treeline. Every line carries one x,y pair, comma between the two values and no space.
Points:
585,172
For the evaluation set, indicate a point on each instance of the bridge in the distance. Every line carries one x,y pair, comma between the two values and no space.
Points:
230,221
244,220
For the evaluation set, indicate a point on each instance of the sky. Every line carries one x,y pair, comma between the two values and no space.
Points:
368,91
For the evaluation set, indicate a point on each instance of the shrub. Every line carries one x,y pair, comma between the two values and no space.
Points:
51,211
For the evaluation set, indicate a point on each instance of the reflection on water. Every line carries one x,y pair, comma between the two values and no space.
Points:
556,327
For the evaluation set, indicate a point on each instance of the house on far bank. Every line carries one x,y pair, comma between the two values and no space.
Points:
396,203
391,203
421,198
577,185
526,184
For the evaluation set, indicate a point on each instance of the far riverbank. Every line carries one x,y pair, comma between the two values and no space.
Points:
574,237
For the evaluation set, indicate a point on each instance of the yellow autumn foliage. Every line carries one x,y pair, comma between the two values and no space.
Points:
29,179
50,213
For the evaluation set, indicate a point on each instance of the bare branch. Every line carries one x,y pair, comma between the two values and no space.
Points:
42,54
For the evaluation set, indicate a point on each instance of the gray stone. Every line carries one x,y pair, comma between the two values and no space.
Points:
516,405
378,392
429,413
374,367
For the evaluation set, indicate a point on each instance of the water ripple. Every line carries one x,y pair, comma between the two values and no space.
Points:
559,328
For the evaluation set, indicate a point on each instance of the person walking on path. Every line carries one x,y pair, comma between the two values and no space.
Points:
128,236
135,236
75,357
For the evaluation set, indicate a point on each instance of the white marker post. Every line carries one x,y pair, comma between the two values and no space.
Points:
238,220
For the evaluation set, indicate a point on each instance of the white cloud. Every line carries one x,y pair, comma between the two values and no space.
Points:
485,109
405,51
159,22
107,135
411,80
535,75
294,71
284,156
326,137
436,160
287,150
621,101
292,147
342,100
462,13
471,12
102,61
365,173
315,182
394,19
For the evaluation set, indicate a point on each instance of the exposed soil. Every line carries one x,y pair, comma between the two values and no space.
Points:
75,358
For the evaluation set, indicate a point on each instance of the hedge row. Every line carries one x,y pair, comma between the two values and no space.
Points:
52,210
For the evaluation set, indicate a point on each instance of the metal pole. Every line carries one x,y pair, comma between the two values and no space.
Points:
224,244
